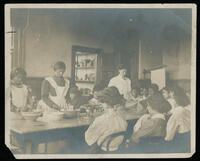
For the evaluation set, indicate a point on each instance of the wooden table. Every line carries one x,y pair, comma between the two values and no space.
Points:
31,134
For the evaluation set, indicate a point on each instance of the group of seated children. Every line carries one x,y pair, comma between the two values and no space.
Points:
168,113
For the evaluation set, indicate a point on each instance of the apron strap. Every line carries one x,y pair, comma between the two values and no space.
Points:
52,82
66,87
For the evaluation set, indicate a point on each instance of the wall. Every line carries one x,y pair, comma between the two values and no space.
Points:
177,52
49,38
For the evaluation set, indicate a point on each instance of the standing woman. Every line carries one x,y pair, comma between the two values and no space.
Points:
121,82
53,93
54,89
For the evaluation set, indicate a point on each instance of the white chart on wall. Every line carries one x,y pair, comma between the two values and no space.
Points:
158,77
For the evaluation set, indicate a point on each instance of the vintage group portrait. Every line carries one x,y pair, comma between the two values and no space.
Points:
100,80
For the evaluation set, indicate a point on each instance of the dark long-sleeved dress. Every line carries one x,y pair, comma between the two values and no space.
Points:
48,90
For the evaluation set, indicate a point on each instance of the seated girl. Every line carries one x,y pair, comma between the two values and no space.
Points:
134,95
168,95
135,104
151,124
97,88
76,99
153,89
179,121
107,124
143,93
21,97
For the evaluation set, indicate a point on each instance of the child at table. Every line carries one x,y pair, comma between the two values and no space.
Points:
135,104
153,89
97,89
179,121
143,93
134,95
151,124
21,96
168,95
107,124
76,99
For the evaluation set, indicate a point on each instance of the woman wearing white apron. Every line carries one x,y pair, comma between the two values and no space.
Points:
54,90
53,94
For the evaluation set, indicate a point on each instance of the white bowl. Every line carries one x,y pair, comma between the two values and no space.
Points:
31,116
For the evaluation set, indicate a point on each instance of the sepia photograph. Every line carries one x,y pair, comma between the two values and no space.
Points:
100,80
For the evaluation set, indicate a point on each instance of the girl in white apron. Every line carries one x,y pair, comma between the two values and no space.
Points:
20,93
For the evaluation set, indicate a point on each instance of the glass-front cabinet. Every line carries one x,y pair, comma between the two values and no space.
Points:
86,67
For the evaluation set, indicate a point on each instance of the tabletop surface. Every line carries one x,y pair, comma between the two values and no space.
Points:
23,126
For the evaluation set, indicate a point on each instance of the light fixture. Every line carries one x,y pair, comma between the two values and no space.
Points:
130,19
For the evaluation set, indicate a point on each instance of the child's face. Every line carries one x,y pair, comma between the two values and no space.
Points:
134,92
151,92
104,105
18,79
59,72
123,72
171,94
95,94
165,94
144,91
72,95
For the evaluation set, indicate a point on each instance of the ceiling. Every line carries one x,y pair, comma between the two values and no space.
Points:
110,22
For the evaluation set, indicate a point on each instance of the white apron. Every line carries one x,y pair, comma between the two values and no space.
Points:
59,99
19,96
48,112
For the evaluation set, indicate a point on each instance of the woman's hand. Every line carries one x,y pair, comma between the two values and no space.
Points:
62,103
56,107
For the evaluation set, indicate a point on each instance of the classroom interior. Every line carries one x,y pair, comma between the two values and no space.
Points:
141,39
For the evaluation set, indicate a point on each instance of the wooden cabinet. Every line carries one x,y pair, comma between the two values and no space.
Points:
86,67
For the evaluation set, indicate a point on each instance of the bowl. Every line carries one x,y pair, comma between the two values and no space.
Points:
31,116
70,114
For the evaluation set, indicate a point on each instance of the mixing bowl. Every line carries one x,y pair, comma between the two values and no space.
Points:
31,116
70,114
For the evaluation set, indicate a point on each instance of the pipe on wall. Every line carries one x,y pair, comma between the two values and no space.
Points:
24,30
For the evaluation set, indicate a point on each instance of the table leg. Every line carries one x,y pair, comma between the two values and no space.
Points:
29,147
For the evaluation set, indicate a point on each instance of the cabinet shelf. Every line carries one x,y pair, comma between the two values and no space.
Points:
83,81
84,53
85,67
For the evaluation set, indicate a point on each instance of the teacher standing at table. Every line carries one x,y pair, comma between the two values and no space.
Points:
121,82
54,89
53,93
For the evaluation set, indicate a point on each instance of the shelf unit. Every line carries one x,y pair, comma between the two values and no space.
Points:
86,67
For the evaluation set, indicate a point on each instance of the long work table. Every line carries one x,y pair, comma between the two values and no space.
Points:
31,134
